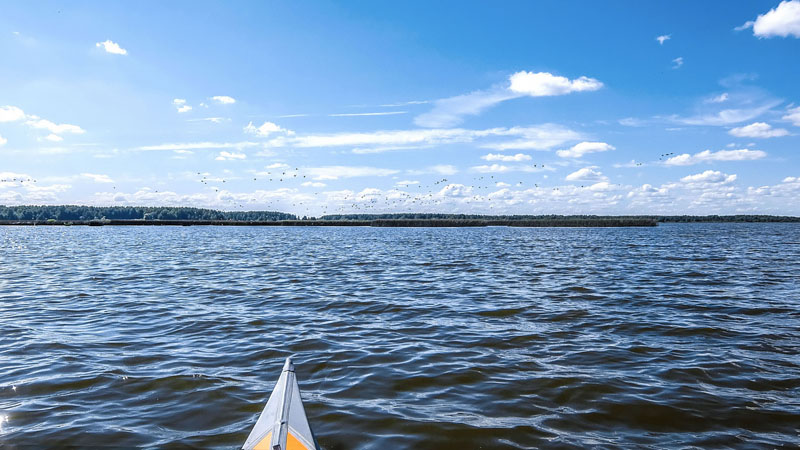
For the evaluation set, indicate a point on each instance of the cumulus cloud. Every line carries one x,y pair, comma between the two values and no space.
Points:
582,148
546,84
758,130
266,129
450,111
54,138
111,47
663,38
708,177
39,123
181,106
230,156
11,114
223,99
709,156
793,115
506,158
587,174
783,21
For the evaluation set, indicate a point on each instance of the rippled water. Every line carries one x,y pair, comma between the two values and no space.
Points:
164,337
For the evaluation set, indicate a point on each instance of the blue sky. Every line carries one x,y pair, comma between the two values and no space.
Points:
317,107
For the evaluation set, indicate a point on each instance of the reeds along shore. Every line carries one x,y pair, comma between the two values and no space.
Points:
360,223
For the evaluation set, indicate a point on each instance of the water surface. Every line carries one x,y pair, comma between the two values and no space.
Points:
172,337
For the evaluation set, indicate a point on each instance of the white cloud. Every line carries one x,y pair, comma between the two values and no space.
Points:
783,21
11,114
54,138
3,141
506,158
793,115
447,112
383,113
229,156
223,99
582,148
439,169
758,130
677,62
406,183
709,156
180,105
266,129
708,177
198,146
315,184
632,122
663,38
209,119
546,84
384,149
97,178
274,166
721,98
493,168
450,111
337,172
501,168
533,137
729,116
111,47
587,174
39,123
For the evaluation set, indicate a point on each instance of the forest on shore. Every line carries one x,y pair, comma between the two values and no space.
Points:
76,213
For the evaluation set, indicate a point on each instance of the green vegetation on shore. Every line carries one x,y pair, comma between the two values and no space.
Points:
86,213
126,214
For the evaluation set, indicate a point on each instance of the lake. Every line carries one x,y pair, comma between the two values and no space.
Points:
172,337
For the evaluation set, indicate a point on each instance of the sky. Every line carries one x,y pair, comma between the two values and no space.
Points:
312,108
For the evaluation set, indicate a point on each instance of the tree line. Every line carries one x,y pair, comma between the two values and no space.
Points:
88,213
85,213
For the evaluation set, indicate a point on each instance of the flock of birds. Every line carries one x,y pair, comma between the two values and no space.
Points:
422,197
17,180
419,197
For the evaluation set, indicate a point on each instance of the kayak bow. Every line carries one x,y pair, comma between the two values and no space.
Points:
283,424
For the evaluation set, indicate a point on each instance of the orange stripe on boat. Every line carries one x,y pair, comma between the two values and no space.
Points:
292,443
264,443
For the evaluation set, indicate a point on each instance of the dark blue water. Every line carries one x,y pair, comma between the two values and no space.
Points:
172,337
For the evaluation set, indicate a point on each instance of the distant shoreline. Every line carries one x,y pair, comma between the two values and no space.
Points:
379,223
66,215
